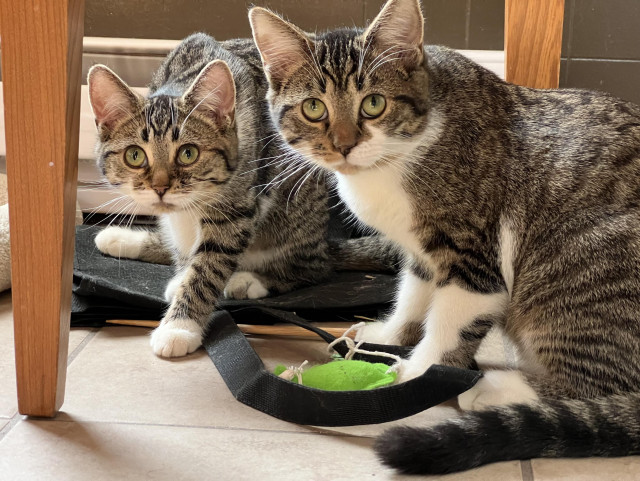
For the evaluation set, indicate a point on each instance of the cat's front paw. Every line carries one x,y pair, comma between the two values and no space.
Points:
407,372
176,338
120,242
375,333
245,285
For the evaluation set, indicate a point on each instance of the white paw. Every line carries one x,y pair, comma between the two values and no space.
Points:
121,242
408,370
176,338
497,388
244,285
374,332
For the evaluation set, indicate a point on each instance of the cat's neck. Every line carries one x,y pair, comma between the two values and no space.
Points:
379,196
378,199
181,231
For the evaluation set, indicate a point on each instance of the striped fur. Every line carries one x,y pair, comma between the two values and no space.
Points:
513,207
235,210
606,427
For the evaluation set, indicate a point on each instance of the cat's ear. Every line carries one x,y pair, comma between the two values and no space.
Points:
398,29
111,99
283,46
213,92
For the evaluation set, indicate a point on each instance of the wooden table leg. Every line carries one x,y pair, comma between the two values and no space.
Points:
533,42
41,68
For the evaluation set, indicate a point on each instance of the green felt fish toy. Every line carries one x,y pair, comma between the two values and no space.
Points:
340,375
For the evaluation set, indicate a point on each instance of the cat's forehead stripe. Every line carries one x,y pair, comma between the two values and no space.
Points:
160,114
339,59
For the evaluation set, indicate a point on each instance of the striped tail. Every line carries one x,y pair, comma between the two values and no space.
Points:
604,427
369,253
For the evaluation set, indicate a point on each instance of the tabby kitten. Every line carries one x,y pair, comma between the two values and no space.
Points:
515,207
199,152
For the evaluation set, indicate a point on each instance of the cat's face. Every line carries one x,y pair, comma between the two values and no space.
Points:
167,153
347,100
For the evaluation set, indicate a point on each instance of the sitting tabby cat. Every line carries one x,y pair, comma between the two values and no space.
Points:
199,151
515,207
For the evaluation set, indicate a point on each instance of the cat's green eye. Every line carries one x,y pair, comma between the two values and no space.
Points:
314,110
135,157
188,154
372,106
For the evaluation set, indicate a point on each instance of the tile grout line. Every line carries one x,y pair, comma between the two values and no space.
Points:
467,25
311,431
601,59
17,417
572,12
81,346
526,470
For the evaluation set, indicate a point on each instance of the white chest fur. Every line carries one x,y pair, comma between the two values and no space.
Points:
376,196
182,230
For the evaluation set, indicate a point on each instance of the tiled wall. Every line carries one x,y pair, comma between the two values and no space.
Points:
462,24
601,46
601,38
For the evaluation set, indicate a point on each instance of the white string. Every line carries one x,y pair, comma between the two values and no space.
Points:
292,371
355,348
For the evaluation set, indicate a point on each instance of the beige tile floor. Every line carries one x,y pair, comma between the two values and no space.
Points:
131,416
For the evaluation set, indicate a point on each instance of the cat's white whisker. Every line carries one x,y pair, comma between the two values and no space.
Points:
390,57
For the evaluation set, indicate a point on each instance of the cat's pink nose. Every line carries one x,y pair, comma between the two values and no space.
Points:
160,181
345,149
345,137
161,190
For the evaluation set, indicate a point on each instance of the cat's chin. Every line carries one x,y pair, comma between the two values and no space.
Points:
164,208
348,169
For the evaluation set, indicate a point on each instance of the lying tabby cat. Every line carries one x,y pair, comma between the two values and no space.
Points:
515,207
199,151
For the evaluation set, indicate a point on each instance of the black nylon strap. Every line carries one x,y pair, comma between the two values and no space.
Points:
251,384
342,349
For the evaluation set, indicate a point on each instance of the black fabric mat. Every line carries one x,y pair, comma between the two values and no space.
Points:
108,288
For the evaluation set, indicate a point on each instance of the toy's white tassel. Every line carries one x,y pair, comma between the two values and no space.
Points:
355,348
292,372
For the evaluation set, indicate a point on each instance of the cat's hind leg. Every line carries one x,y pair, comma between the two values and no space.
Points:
565,365
255,285
246,285
498,388
573,314
503,387
140,244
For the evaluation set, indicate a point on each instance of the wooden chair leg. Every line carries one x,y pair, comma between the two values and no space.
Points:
533,42
41,68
